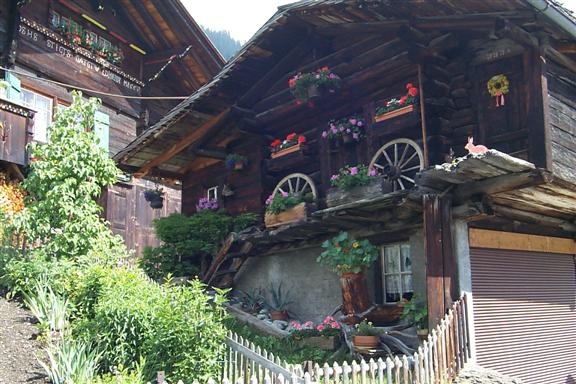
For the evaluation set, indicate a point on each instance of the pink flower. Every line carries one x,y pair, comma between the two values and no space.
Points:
354,171
296,325
335,325
284,194
334,177
334,130
317,76
332,76
308,324
324,134
269,200
348,130
328,319
332,125
355,136
359,123
353,121
320,327
372,172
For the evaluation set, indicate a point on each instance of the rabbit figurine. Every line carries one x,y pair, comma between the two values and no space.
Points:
475,149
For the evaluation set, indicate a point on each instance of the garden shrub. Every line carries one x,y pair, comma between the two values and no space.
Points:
176,329
186,240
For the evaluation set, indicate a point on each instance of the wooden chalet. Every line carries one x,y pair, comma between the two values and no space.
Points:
499,224
128,48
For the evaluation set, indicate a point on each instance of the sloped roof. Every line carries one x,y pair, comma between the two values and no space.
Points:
237,76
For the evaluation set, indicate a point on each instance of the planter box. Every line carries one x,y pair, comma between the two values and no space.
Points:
336,197
292,215
330,343
282,152
394,113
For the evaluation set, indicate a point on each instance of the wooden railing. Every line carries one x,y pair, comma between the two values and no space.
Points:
437,361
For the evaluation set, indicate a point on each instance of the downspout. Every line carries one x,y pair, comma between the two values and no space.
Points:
550,11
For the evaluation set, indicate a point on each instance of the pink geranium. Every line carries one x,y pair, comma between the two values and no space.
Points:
353,171
320,327
328,320
308,324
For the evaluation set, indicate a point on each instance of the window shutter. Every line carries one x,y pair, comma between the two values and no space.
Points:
15,89
102,129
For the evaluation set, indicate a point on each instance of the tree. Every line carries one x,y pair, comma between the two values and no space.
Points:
222,40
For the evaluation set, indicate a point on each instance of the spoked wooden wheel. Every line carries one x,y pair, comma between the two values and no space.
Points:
297,184
399,161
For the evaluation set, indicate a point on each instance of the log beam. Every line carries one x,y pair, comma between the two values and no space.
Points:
184,143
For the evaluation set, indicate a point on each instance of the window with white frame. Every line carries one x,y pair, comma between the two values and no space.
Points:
43,116
212,194
396,272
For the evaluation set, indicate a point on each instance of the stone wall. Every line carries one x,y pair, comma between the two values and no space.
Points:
314,289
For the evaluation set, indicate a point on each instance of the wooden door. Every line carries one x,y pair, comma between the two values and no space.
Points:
119,212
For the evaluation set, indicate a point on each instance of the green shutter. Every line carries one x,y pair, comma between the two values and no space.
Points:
102,129
15,89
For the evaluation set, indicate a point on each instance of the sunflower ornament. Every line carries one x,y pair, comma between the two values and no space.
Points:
498,86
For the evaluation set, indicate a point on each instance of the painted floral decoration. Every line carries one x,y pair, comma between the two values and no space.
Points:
393,104
352,126
322,78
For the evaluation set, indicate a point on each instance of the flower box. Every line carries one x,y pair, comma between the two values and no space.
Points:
336,196
285,151
293,215
394,113
327,343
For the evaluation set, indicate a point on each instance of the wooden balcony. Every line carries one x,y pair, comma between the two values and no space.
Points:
16,124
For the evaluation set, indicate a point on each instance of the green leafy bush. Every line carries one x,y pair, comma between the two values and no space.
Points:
177,329
186,240
349,177
71,362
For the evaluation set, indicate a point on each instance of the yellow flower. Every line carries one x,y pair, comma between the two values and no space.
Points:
355,244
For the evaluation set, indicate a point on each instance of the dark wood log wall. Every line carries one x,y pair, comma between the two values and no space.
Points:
246,184
562,120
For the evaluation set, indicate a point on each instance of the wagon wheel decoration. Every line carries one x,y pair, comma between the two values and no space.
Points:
398,161
297,184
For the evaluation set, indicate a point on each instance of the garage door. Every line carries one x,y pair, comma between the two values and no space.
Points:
525,314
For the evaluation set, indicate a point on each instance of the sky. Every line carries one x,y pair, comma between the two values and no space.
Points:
242,18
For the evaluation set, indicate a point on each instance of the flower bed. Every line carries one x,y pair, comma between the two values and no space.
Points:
398,106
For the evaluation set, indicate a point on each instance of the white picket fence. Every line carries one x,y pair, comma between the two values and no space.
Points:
437,361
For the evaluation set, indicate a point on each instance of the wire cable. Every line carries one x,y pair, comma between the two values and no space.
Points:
66,85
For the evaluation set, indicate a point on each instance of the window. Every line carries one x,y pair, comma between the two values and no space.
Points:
212,194
396,272
43,117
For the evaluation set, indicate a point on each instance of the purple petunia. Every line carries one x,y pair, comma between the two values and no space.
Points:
359,123
334,130
353,171
353,121
324,134
372,172
348,130
284,194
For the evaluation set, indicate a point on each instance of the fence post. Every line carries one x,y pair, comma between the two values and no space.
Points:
160,377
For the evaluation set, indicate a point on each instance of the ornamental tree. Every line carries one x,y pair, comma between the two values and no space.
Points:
65,179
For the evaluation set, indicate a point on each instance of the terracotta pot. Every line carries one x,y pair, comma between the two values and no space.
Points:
313,92
366,341
279,315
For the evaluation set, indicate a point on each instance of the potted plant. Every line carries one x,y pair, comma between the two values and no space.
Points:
292,143
310,85
349,257
353,183
366,336
324,335
206,204
397,106
416,313
252,301
155,197
349,129
278,303
235,161
285,207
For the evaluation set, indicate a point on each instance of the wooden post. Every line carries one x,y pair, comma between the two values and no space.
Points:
441,272
423,116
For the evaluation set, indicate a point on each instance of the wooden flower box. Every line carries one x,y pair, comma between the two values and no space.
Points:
394,113
293,215
330,343
285,151
336,196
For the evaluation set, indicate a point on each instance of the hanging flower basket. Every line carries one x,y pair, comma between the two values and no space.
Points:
236,162
350,129
155,197
311,85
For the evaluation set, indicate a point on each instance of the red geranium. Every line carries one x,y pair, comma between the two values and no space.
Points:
291,83
276,143
291,136
413,92
409,85
325,69
301,139
403,100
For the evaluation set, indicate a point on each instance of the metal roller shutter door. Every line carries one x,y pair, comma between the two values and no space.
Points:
525,314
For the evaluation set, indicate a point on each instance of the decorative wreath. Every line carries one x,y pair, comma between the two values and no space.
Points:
498,85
